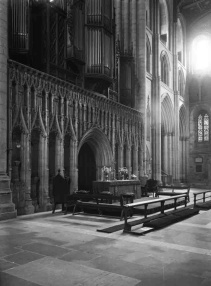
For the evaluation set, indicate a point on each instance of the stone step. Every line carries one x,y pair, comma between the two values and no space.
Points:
8,215
6,208
171,218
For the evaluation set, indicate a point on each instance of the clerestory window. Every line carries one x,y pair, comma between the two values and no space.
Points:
164,70
203,127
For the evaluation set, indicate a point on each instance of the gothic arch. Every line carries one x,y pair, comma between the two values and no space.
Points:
100,146
148,55
180,40
183,152
167,133
164,22
194,112
165,67
183,121
167,111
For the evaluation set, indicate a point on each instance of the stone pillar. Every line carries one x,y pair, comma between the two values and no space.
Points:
73,165
128,161
44,201
170,154
165,153
176,154
58,155
125,23
187,147
135,161
140,101
7,208
181,158
118,6
133,25
26,172
120,156
184,159
156,98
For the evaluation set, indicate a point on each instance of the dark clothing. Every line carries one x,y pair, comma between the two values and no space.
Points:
60,191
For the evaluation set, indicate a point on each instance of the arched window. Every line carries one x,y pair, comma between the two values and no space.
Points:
164,70
180,42
203,127
148,56
201,57
164,22
148,13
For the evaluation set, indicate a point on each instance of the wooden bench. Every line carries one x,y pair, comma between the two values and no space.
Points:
173,191
100,202
128,208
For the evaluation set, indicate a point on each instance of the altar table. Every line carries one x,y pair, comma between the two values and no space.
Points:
118,187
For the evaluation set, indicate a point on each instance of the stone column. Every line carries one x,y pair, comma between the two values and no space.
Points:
156,99
140,100
187,147
7,208
44,203
176,157
173,155
58,155
120,156
170,154
125,22
184,159
26,172
165,153
73,165
135,161
118,7
133,25
128,161
181,158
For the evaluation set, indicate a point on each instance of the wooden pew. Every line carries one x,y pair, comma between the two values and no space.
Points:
128,208
98,202
203,198
173,191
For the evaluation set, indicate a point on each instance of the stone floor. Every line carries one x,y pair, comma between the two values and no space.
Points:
50,250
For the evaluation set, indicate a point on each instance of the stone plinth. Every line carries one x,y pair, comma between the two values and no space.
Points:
118,187
7,208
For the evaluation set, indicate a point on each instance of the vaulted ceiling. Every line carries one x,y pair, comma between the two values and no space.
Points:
193,10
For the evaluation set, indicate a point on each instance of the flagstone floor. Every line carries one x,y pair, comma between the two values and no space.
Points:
65,250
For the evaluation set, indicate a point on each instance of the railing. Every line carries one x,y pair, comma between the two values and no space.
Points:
204,197
73,52
113,95
99,20
127,209
99,69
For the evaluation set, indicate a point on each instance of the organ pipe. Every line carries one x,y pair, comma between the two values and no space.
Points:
19,10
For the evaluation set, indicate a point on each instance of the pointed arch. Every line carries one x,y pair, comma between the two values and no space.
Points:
180,40
100,146
183,122
148,55
167,112
164,22
167,133
165,67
